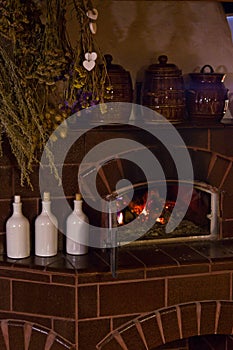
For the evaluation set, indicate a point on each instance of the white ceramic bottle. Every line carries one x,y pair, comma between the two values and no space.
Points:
17,232
46,232
77,229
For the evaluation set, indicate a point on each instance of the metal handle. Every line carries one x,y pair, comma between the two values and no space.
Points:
207,66
112,235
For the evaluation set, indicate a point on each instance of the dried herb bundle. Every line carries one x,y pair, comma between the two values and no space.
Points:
85,88
42,78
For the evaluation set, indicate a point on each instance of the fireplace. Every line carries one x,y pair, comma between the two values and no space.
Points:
199,222
169,293
143,218
173,293
143,209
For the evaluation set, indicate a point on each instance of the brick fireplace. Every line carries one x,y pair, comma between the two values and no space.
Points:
166,295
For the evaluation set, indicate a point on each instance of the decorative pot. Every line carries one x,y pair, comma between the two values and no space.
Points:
119,85
163,90
118,95
207,95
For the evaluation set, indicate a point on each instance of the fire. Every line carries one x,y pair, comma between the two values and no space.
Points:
145,212
120,218
137,209
154,211
161,220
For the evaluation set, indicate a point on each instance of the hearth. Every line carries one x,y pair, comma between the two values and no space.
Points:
199,219
166,291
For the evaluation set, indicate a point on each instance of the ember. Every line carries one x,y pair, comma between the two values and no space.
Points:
161,220
144,208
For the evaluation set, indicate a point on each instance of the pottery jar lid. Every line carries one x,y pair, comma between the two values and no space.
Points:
208,75
112,67
163,68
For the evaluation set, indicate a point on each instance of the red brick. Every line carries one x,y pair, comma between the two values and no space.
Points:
135,297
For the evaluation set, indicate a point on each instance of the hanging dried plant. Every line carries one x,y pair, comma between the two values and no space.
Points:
87,82
24,100
20,118
43,79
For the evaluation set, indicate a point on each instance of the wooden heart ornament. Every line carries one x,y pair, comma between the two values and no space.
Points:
92,14
91,56
93,27
88,65
89,62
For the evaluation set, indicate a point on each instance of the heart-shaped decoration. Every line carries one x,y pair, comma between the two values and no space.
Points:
92,14
91,56
88,65
93,27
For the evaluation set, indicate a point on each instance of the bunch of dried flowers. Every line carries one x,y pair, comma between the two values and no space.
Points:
43,80
89,80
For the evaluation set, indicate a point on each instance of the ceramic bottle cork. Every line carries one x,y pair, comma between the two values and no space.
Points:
46,232
77,229
17,232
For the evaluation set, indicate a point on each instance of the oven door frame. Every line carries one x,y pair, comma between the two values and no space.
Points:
213,216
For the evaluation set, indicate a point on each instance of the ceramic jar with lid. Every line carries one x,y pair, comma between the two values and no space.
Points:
118,95
118,83
163,90
206,97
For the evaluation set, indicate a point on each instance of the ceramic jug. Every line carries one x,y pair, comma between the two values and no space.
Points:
206,97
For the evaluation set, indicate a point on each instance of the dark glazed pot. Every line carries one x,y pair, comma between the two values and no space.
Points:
163,90
207,95
118,95
119,85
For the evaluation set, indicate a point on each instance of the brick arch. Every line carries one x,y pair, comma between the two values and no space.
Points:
20,334
151,330
213,168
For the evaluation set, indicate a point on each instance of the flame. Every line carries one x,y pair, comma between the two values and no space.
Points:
161,220
137,209
145,211
120,218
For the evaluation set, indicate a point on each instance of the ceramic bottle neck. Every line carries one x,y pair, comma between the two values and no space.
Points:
78,205
17,208
46,206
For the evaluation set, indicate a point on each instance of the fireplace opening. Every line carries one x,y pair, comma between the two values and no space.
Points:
207,342
143,221
143,210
